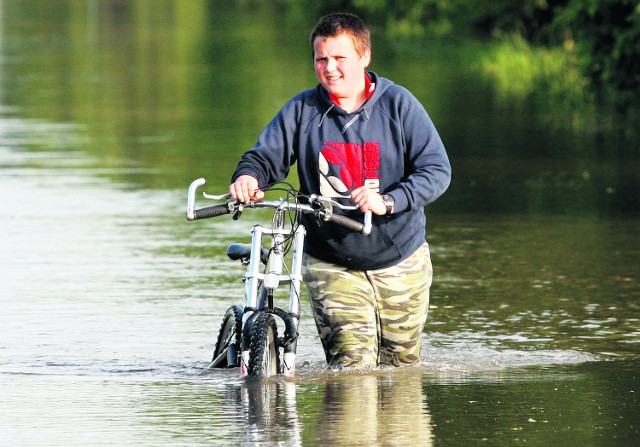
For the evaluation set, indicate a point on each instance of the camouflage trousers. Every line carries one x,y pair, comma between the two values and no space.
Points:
367,318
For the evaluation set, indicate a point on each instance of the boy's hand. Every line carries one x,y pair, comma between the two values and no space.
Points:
369,200
245,189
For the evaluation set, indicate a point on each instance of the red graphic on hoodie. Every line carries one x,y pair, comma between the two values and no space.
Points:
346,166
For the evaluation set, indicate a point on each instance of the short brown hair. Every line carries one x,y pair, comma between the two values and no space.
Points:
342,22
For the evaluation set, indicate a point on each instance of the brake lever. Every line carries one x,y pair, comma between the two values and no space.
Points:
212,197
328,204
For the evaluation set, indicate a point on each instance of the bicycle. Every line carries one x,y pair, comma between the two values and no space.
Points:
248,337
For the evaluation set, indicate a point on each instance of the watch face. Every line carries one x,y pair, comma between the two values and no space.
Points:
388,202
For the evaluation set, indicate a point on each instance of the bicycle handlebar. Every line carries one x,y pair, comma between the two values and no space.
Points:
210,211
325,210
348,223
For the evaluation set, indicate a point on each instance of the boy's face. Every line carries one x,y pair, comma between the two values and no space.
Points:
338,66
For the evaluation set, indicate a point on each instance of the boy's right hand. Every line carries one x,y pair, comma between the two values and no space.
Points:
245,189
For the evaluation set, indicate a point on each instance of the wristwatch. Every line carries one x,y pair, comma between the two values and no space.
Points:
389,203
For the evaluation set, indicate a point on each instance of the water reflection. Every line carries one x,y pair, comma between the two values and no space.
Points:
271,413
376,409
339,409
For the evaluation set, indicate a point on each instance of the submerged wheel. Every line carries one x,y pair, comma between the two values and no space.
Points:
229,339
264,360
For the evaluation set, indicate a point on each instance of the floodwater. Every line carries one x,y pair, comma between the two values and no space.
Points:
110,301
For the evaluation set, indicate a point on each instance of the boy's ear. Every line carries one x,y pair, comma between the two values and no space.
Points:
366,58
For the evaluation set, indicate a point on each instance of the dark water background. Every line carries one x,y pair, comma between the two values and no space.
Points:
111,301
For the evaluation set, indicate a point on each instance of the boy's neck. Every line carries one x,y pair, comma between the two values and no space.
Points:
354,103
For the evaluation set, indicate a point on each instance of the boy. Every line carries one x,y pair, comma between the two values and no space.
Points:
358,136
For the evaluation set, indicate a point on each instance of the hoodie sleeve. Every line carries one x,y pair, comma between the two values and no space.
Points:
427,167
272,156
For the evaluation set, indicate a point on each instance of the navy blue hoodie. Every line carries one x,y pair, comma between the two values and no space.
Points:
389,144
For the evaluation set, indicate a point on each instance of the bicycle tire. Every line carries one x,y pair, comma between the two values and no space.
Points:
264,359
229,337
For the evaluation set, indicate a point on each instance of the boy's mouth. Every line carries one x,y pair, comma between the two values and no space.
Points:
333,79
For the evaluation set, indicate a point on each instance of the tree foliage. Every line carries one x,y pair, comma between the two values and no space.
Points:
607,34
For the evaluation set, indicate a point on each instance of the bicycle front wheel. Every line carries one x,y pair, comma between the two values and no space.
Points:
264,360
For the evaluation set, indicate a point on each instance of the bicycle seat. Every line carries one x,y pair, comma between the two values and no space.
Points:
237,251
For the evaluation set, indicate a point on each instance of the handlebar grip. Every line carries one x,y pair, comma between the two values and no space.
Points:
347,222
210,211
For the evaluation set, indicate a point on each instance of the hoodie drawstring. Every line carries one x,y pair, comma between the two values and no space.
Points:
325,114
353,120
